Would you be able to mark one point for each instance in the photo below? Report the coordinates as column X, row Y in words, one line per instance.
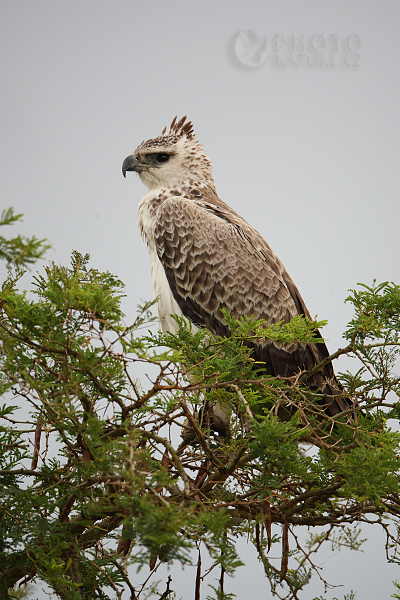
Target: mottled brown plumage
column 205, row 257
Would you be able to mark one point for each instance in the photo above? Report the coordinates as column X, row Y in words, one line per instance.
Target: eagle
column 205, row 257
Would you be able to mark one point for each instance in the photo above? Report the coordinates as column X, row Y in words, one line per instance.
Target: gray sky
column 305, row 151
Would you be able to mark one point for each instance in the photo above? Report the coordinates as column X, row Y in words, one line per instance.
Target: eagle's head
column 171, row 158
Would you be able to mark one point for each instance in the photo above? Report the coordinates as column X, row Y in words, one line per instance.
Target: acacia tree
column 101, row 471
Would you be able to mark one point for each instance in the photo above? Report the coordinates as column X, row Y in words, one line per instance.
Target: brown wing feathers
column 213, row 259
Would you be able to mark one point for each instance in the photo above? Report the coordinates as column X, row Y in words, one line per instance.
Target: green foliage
column 377, row 313
column 100, row 471
column 397, row 586
column 299, row 329
column 350, row 596
column 381, row 465
column 20, row 251
column 220, row 595
column 376, row 320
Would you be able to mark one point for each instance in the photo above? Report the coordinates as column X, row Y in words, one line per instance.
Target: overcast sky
column 297, row 105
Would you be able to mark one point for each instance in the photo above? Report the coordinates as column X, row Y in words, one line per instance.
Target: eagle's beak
column 131, row 164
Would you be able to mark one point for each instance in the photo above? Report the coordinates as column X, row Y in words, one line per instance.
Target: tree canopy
column 102, row 470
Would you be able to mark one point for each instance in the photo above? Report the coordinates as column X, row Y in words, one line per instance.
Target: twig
column 167, row 591
column 200, row 436
column 172, row 451
column 330, row 358
column 243, row 399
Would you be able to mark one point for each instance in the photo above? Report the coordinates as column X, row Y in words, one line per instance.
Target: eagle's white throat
column 166, row 304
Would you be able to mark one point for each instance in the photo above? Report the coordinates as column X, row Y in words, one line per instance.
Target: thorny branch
column 145, row 468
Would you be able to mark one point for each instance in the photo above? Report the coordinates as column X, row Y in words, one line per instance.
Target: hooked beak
column 131, row 164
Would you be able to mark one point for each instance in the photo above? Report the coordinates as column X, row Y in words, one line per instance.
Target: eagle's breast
column 166, row 305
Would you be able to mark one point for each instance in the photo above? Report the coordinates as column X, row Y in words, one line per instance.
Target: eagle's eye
column 162, row 157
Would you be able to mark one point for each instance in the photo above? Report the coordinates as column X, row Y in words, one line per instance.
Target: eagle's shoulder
column 213, row 259
column 196, row 209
